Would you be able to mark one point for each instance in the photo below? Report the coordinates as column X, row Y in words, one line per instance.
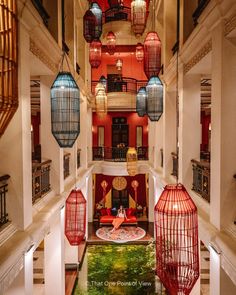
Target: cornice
column 230, row 25
column 198, row 56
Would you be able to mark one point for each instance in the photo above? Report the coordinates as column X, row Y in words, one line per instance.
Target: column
column 90, row 204
column 15, row 144
column 89, row 134
column 82, row 139
column 54, row 257
column 189, row 125
column 49, row 146
column 214, row 272
column 151, row 198
column 223, row 124
column 169, row 134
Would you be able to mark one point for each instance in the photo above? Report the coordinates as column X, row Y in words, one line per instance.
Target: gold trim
column 197, row 57
column 42, row 56
column 230, row 25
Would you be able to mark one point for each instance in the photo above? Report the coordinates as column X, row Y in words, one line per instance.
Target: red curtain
column 141, row 190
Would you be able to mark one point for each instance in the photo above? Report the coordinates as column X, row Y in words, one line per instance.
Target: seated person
column 120, row 218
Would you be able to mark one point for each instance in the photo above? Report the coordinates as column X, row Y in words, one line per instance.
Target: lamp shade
column 132, row 159
column 65, row 109
column 111, row 42
column 141, row 102
column 177, row 253
column 96, row 10
column 100, row 100
column 152, row 55
column 75, row 217
column 138, row 16
column 139, row 53
column 95, row 53
column 89, row 22
column 8, row 63
column 154, row 90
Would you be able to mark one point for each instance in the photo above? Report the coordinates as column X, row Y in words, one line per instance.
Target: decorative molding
column 230, row 25
column 42, row 56
column 229, row 268
column 198, row 56
column 11, row 274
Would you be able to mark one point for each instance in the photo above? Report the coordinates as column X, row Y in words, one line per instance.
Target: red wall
column 104, row 4
column 133, row 120
column 35, row 121
column 205, row 121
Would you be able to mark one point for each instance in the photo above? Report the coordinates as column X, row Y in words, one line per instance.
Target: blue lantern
column 65, row 109
column 141, row 102
column 96, row 10
column 154, row 98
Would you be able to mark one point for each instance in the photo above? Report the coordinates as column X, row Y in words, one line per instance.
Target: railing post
column 3, row 191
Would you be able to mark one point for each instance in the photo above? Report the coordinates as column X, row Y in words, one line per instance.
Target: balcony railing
column 161, row 151
column 122, row 85
column 201, row 6
column 116, row 154
column 66, row 165
column 3, row 193
column 41, row 10
column 78, row 158
column 201, row 178
column 40, row 179
column 175, row 161
column 117, row 13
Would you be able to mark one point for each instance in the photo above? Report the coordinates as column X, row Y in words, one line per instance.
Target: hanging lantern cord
column 64, row 57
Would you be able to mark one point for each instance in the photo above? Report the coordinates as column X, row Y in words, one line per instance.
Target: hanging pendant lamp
column 103, row 80
column 95, row 53
column 139, row 53
column 138, row 16
column 75, row 217
column 89, row 22
column 141, row 102
column 152, row 55
column 154, row 90
column 119, row 64
column 100, row 100
column 177, row 253
column 111, row 42
column 8, row 63
column 96, row 10
column 132, row 161
column 65, row 109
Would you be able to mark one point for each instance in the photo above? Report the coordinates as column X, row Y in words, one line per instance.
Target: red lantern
column 111, row 43
column 89, row 21
column 75, row 218
column 152, row 55
column 95, row 53
column 177, row 253
column 139, row 52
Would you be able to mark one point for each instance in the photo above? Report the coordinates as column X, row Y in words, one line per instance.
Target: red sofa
column 106, row 218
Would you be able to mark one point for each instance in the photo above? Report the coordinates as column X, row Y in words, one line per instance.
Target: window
column 101, row 132
column 139, row 136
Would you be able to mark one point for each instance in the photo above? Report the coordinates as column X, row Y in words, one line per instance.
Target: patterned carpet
column 122, row 235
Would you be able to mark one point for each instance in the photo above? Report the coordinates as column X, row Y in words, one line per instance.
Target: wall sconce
column 119, row 64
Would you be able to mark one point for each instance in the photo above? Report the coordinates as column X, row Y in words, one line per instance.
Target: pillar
column 54, row 257
column 214, row 272
column 223, row 124
column 82, row 139
column 189, row 125
column 151, row 198
column 15, row 144
column 49, row 146
column 169, row 131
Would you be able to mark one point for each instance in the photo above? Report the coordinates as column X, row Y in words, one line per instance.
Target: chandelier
column 138, row 16
column 119, row 64
column 100, row 100
column 89, row 22
column 141, row 102
column 132, row 161
column 154, row 90
column 111, row 42
column 96, row 10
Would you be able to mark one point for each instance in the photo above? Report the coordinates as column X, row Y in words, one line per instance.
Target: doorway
column 120, row 198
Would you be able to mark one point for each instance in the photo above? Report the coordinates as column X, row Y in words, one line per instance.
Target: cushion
column 107, row 219
column 103, row 211
column 130, row 212
column 109, row 211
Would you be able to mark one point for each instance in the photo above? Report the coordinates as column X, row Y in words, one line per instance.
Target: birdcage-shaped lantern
column 152, row 55
column 65, row 109
column 95, row 53
column 96, row 10
column 154, row 91
column 139, row 52
column 75, row 217
column 100, row 100
column 132, row 161
column 111, row 42
column 177, row 252
column 138, row 16
column 141, row 102
column 89, row 22
column 8, row 63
